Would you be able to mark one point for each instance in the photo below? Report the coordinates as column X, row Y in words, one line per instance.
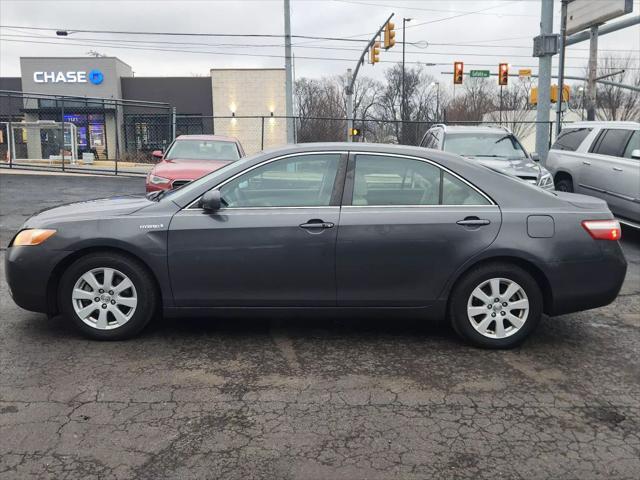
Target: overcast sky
column 500, row 30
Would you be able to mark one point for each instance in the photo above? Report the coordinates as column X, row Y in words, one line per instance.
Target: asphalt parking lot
column 317, row 398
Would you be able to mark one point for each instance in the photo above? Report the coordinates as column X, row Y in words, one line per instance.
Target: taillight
column 603, row 229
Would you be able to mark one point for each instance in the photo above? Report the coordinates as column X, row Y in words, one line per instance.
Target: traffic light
column 565, row 93
column 458, row 70
column 503, row 74
column 355, row 132
column 389, row 35
column 374, row 53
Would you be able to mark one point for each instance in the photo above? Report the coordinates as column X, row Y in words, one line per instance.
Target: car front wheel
column 108, row 296
column 496, row 306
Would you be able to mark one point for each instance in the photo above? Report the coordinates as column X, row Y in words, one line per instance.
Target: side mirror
column 635, row 153
column 535, row 157
column 211, row 201
column 157, row 154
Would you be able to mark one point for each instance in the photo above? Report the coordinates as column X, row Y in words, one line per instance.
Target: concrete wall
column 251, row 92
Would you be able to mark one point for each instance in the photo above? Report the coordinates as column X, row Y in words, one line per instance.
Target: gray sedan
column 325, row 226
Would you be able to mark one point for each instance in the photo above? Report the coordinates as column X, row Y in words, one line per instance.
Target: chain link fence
column 120, row 136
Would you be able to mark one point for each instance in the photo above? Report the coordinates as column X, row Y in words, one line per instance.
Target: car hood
column 187, row 169
column 515, row 167
column 91, row 209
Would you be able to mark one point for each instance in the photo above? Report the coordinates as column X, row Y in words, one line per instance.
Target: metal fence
column 118, row 136
column 82, row 133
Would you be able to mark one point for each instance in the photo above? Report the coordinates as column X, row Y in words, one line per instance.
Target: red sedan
column 190, row 157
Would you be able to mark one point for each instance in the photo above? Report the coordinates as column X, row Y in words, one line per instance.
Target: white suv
column 601, row 159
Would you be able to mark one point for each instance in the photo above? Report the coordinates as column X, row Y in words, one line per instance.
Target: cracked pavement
column 313, row 397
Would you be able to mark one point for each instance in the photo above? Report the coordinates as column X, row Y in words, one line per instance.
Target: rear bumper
column 585, row 285
column 28, row 271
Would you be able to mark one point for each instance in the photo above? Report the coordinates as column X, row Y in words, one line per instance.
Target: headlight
column 546, row 181
column 156, row 180
column 32, row 236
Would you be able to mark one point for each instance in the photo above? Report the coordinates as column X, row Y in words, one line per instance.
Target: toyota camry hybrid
column 325, row 226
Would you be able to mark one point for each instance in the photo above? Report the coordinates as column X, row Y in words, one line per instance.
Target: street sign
column 524, row 72
column 479, row 73
column 582, row 14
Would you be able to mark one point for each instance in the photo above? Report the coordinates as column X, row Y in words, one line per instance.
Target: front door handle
column 586, row 163
column 617, row 169
column 473, row 222
column 316, row 224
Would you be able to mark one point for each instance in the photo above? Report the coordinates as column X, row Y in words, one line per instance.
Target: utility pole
column 563, row 41
column 349, row 105
column 593, row 68
column 403, row 100
column 289, row 71
column 545, row 52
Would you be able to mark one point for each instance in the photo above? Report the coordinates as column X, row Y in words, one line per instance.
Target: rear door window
column 570, row 139
column 611, row 142
column 382, row 181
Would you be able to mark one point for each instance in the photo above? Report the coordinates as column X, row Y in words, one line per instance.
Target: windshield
column 203, row 150
column 484, row 145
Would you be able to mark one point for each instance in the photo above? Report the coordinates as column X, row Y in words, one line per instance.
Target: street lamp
column 437, row 84
column 403, row 104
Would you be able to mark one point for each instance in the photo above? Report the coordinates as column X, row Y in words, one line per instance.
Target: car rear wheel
column 108, row 296
column 496, row 306
column 564, row 185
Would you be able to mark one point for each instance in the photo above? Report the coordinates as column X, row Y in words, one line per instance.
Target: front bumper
column 28, row 271
column 577, row 286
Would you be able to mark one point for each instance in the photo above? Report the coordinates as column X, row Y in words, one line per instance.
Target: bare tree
column 420, row 105
column 613, row 102
column 478, row 97
column 514, row 109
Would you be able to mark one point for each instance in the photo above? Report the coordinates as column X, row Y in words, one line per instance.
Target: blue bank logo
column 96, row 77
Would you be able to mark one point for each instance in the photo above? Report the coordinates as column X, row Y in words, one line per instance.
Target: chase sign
column 94, row 76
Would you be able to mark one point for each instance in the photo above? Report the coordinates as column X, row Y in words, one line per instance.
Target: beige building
column 242, row 93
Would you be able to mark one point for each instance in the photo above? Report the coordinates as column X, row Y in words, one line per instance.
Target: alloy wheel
column 498, row 308
column 104, row 298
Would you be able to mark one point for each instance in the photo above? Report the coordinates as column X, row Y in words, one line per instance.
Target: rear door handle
column 473, row 222
column 617, row 169
column 316, row 224
column 586, row 163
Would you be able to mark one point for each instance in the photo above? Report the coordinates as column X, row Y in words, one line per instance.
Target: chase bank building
column 107, row 95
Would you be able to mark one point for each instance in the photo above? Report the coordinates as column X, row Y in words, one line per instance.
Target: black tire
column 461, row 293
column 147, row 296
column 564, row 185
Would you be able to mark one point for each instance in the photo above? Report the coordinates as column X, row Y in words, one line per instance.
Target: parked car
column 190, row 157
column 492, row 146
column 600, row 159
column 325, row 226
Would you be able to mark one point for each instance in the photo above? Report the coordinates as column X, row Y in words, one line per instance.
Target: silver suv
column 601, row 159
column 493, row 146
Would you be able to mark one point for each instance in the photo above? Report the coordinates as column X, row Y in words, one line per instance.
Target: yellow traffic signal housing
column 389, row 35
column 355, row 132
column 533, row 96
column 503, row 74
column 565, row 93
column 458, row 72
column 374, row 53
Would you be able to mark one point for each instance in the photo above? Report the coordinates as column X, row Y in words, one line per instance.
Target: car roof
column 603, row 123
column 474, row 129
column 219, row 138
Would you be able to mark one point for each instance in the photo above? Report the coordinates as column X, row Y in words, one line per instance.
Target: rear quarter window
column 570, row 139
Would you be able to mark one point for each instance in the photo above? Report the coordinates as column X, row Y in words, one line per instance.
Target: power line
column 406, row 7
column 254, row 54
